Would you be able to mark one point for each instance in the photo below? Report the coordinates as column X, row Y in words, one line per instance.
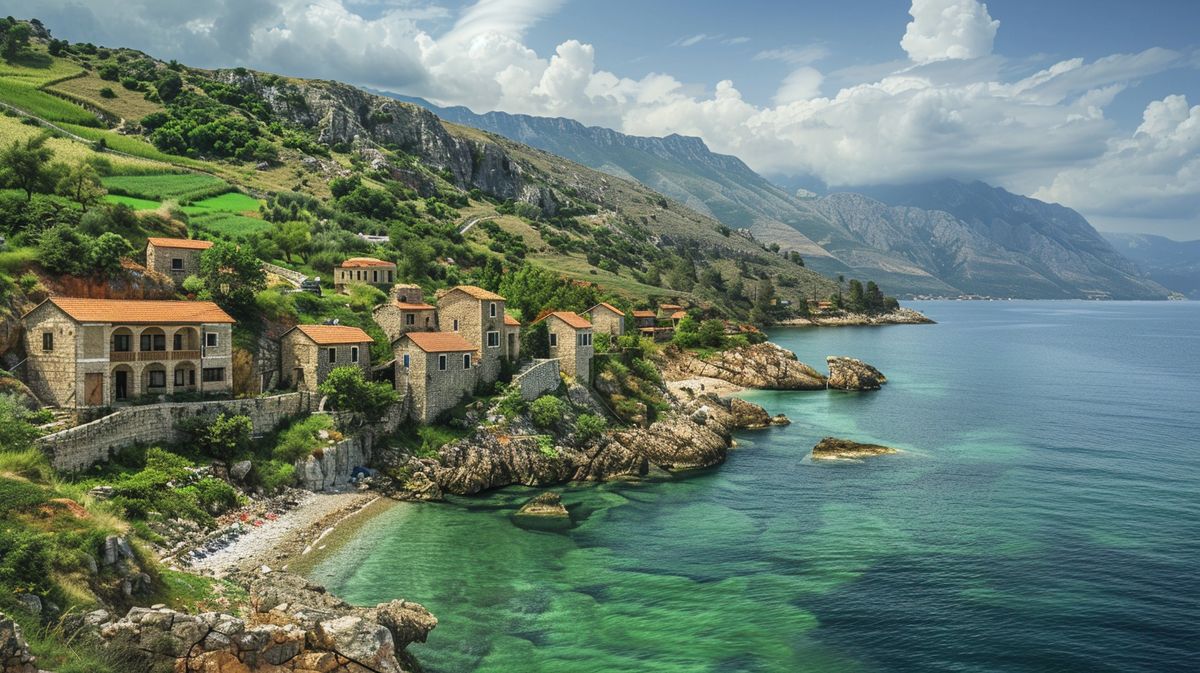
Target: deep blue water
column 1044, row 516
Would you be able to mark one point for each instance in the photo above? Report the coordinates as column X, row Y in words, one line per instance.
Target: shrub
column 223, row 437
column 302, row 437
column 547, row 410
column 16, row 424
column 275, row 474
column 107, row 92
column 589, row 427
column 348, row 390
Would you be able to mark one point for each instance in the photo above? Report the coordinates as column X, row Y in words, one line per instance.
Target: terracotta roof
column 141, row 311
column 679, row 315
column 405, row 306
column 511, row 321
column 572, row 319
column 360, row 262
column 645, row 314
column 182, row 243
column 670, row 307
column 477, row 292
column 330, row 335
column 608, row 306
column 440, row 342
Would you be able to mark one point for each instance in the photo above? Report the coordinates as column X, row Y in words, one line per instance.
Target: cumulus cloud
column 1155, row 172
column 948, row 29
column 952, row 110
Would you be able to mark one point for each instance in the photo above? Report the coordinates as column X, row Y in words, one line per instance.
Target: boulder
column 852, row 374
column 408, row 622
column 548, row 504
column 240, row 469
column 31, row 603
column 833, row 448
column 747, row 415
column 14, row 651
column 780, row 419
column 763, row 365
column 367, row 643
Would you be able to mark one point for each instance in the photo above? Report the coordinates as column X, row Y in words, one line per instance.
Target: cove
column 1043, row 516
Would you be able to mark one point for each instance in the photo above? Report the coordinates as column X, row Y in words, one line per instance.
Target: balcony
column 152, row 356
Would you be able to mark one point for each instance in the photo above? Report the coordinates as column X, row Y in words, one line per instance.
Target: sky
column 1091, row 103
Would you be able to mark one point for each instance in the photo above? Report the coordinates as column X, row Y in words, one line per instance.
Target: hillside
column 1172, row 264
column 282, row 146
column 948, row 238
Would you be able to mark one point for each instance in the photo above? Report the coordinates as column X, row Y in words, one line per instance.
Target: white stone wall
column 543, row 377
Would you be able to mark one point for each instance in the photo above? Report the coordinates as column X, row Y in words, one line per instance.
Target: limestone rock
column 240, row 469
column 408, row 622
column 14, row 651
column 548, row 504
column 763, row 365
column 835, row 448
column 852, row 374
column 747, row 415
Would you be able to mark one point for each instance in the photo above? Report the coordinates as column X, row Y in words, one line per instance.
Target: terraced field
column 182, row 187
column 70, row 151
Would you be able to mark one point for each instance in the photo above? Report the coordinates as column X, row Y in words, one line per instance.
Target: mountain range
column 1173, row 264
column 945, row 238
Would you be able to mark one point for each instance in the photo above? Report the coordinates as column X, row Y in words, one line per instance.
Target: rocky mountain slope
column 945, row 238
column 1172, row 264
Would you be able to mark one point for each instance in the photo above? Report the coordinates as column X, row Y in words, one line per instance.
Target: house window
column 213, row 374
column 354, row 353
column 176, row 264
column 191, row 377
column 407, row 360
column 210, row 339
column 492, row 310
column 585, row 338
column 158, row 378
column 410, row 319
column 390, row 276
column 154, row 342
column 466, row 360
column 493, row 339
column 441, row 363
column 177, row 343
column 374, row 276
column 179, row 377
column 553, row 340
column 456, row 324
column 332, row 355
column 121, row 343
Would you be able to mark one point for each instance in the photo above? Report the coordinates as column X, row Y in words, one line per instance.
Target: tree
column 169, row 86
column 107, row 251
column 61, row 249
column 764, row 301
column 340, row 187
column 293, row 238
column 16, row 38
column 81, row 183
column 711, row 333
column 233, row 275
column 873, row 297
column 855, row 299
column 26, row 166
column 16, row 431
column 535, row 341
column 348, row 390
column 223, row 437
column 546, row 411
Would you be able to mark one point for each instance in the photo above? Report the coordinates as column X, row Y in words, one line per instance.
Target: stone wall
column 79, row 447
column 293, row 277
column 543, row 377
column 332, row 466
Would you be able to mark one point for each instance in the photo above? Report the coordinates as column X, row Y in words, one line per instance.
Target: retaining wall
column 543, row 377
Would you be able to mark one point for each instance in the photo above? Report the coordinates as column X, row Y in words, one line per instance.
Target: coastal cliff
column 763, row 365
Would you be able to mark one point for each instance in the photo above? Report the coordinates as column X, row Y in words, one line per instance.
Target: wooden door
column 93, row 389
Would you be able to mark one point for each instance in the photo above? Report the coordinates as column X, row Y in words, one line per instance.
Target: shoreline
column 705, row 384
column 903, row 316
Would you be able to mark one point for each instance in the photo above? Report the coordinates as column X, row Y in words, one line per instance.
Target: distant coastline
column 901, row 316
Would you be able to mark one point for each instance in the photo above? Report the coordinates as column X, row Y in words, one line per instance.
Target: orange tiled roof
column 360, row 262
column 477, row 292
column 679, row 315
column 141, row 311
column 645, row 314
column 406, row 306
column 572, row 319
column 440, row 342
column 670, row 307
column 511, row 321
column 608, row 306
column 182, row 243
column 330, row 335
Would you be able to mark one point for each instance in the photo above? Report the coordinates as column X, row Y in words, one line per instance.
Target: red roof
column 141, row 311
column 476, row 292
column 182, row 243
column 330, row 335
column 573, row 320
column 360, row 262
column 511, row 321
column 670, row 307
column 679, row 315
column 608, row 306
column 405, row 306
column 645, row 314
column 440, row 342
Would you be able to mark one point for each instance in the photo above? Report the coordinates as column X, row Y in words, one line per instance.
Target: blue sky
column 1094, row 104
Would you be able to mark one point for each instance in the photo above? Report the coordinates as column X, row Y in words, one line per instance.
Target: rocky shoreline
column 901, row 316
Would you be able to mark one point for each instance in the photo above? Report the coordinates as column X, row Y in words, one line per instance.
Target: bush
column 299, row 440
column 107, row 92
column 589, row 427
column 16, row 424
column 348, row 390
column 223, row 437
column 546, row 411
column 275, row 474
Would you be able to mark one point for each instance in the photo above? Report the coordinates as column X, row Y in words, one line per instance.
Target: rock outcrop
column 831, row 448
column 852, row 374
column 14, row 651
column 763, row 365
column 548, row 504
column 295, row 627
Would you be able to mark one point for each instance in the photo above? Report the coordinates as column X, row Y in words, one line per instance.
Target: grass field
column 131, row 105
column 70, row 151
column 42, row 104
column 233, row 202
column 133, row 202
column 228, row 224
column 37, row 68
column 181, row 187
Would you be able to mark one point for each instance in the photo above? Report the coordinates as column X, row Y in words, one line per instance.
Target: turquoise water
column 1045, row 516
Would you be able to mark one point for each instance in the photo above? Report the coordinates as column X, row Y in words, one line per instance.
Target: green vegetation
column 630, row 383
column 424, row 441
column 589, row 427
column 302, row 437
column 547, row 411
column 223, row 437
column 348, row 390
column 182, row 187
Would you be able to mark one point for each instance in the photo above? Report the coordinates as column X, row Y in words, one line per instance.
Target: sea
column 1043, row 515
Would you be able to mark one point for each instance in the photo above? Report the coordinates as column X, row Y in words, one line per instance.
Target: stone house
column 405, row 311
column 175, row 258
column 435, row 371
column 676, row 317
column 309, row 352
column 367, row 270
column 99, row 352
column 607, row 319
column 665, row 311
column 646, row 321
column 478, row 315
column 512, row 338
column 571, row 343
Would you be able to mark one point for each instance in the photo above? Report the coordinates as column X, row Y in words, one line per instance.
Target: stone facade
column 431, row 384
column 304, row 363
column 175, row 258
column 367, row 270
column 542, row 377
column 607, row 319
column 478, row 315
column 72, row 363
column 80, row 447
column 571, row 344
column 406, row 311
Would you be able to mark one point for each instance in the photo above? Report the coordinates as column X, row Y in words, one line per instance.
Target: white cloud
column 691, row 41
column 948, row 29
column 1151, row 174
column 730, row 41
column 802, row 84
column 794, row 55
